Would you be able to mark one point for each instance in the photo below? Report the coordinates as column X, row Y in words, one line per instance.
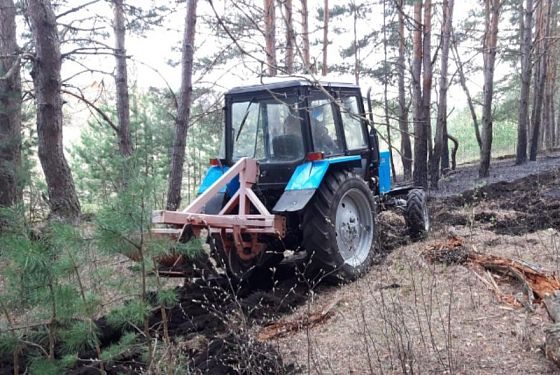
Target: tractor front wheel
column 416, row 216
column 339, row 226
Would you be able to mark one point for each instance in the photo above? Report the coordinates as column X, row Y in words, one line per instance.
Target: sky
column 157, row 46
column 160, row 45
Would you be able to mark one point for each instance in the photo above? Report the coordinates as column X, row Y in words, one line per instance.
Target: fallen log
column 552, row 332
column 537, row 283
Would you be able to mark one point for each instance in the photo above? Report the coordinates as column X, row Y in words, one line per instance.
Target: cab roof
column 283, row 82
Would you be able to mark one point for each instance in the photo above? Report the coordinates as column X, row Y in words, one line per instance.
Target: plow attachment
column 242, row 228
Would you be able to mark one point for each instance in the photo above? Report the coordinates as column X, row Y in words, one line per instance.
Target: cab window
column 352, row 123
column 323, row 128
column 267, row 129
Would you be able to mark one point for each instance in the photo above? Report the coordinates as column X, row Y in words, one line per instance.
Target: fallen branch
column 537, row 283
column 282, row 327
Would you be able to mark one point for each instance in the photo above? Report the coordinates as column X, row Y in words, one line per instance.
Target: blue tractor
column 300, row 169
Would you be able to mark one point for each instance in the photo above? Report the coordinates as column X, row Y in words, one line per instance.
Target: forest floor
column 411, row 315
column 408, row 314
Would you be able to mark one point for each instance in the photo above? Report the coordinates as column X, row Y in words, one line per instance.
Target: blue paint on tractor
column 384, row 172
column 309, row 175
column 212, row 175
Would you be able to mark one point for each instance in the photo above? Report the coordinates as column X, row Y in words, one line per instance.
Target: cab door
column 353, row 125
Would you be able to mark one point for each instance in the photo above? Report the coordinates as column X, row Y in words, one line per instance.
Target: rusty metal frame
column 234, row 219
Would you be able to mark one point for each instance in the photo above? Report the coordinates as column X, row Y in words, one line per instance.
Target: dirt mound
column 211, row 327
column 392, row 232
column 213, row 319
column 534, row 199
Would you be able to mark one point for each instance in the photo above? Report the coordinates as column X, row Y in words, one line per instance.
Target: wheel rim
column 425, row 217
column 354, row 223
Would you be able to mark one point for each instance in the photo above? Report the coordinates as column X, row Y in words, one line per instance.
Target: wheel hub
column 349, row 230
column 354, row 224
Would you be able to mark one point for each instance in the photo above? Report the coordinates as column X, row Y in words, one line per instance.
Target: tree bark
column 305, row 36
column 526, row 67
column 288, row 14
column 324, row 68
column 470, row 103
column 385, row 82
column 542, row 50
column 10, row 106
column 406, row 150
column 270, row 36
column 63, row 200
column 183, row 115
column 421, row 148
column 443, row 86
column 121, row 80
column 427, row 78
column 492, row 8
column 420, row 173
column 552, row 55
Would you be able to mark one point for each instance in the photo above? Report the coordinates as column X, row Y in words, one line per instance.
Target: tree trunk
column 443, row 86
column 492, row 8
column 536, row 116
column 121, row 80
column 406, row 151
column 183, row 115
column 536, row 46
column 288, row 14
column 427, row 79
column 557, row 131
column 445, row 150
column 526, row 67
column 463, row 82
column 422, row 149
column 324, row 68
column 552, row 56
column 10, row 106
column 63, row 200
column 305, row 36
column 270, row 36
column 547, row 106
column 385, row 82
column 420, row 175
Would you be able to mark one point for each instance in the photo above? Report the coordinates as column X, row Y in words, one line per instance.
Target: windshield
column 268, row 130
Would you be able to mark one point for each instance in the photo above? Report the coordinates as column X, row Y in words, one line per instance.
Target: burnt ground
column 406, row 315
column 503, row 169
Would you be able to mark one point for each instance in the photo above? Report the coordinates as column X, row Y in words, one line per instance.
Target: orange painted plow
column 240, row 226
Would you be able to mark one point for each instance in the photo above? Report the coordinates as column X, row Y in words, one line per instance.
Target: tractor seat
column 287, row 147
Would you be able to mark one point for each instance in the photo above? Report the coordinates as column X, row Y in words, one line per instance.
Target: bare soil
column 465, row 177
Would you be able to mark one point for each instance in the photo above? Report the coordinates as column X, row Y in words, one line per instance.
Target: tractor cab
column 285, row 123
column 300, row 170
column 290, row 122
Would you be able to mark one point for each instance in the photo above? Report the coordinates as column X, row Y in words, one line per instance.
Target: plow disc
column 241, row 231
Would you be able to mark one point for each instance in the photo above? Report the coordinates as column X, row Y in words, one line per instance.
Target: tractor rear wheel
column 339, row 226
column 417, row 218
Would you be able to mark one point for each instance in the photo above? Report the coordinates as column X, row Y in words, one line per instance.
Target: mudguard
column 384, row 172
column 306, row 179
